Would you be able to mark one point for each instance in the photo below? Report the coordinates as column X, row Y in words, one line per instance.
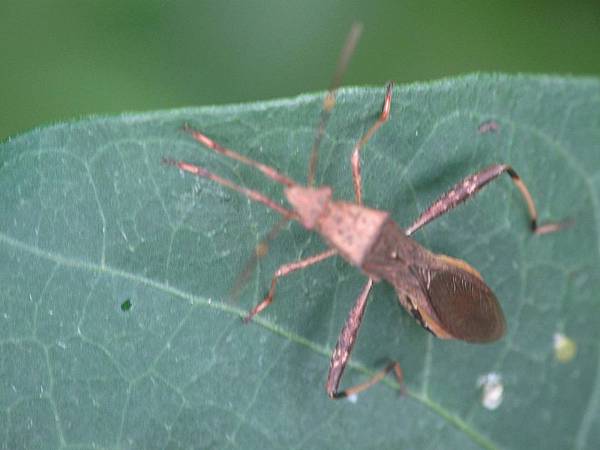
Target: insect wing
column 465, row 306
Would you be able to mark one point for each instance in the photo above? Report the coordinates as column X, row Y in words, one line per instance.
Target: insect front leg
column 344, row 347
column 355, row 158
column 284, row 270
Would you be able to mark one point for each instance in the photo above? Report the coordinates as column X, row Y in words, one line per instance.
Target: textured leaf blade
column 91, row 219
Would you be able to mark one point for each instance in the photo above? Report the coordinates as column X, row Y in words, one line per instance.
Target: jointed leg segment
column 376, row 378
column 284, row 270
column 355, row 158
column 343, row 349
column 468, row 187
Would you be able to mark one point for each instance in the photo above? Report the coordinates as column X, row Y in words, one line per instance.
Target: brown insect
column 445, row 295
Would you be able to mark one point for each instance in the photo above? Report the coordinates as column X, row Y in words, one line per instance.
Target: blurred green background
column 64, row 59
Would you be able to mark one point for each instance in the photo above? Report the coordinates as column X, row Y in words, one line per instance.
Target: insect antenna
column 329, row 101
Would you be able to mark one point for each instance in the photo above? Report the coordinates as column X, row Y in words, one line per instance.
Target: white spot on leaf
column 493, row 390
column 565, row 348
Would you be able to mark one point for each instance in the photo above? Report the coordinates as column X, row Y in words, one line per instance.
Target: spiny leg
column 468, row 187
column 343, row 349
column 355, row 158
column 284, row 270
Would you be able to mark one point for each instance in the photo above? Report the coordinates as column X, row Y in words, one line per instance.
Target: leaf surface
column 116, row 328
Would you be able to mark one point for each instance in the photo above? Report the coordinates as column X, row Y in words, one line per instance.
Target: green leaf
column 115, row 326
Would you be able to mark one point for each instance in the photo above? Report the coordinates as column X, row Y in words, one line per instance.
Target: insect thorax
column 351, row 229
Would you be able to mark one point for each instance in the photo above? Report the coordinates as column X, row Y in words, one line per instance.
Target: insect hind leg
column 343, row 349
column 472, row 184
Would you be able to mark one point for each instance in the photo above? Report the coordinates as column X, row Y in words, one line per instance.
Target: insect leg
column 372, row 381
column 284, row 270
column 343, row 349
column 468, row 187
column 348, row 335
column 355, row 158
